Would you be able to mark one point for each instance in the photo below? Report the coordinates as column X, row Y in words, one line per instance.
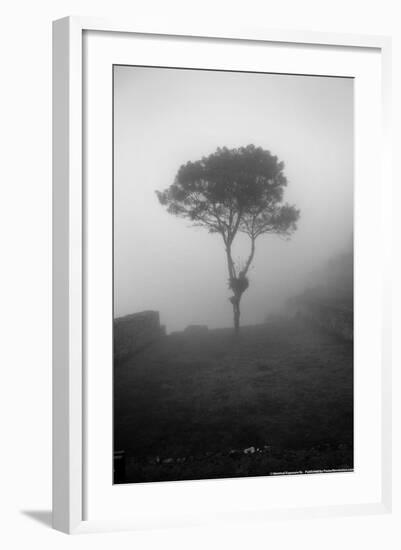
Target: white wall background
column 25, row 397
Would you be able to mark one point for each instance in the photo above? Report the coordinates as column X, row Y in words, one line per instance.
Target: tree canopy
column 233, row 190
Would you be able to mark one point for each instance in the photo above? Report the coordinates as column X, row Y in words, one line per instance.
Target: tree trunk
column 237, row 314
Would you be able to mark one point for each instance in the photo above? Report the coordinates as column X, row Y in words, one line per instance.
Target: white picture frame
column 70, row 286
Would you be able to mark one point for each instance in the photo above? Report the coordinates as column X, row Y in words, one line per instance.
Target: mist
column 166, row 117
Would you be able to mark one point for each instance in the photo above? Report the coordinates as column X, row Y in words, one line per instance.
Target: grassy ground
column 188, row 406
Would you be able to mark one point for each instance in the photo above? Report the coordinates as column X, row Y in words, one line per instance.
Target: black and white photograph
column 233, row 287
column 201, row 307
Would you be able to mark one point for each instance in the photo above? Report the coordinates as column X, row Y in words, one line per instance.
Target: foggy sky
column 165, row 117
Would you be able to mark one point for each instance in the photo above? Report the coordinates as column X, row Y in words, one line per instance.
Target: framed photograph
column 221, row 305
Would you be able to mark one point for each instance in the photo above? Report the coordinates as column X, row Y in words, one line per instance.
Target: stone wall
column 336, row 319
column 134, row 332
column 196, row 330
column 329, row 300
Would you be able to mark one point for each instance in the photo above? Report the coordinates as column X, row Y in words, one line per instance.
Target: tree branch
column 236, row 226
column 230, row 263
column 244, row 271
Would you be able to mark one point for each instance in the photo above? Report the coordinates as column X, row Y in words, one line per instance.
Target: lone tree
column 232, row 191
